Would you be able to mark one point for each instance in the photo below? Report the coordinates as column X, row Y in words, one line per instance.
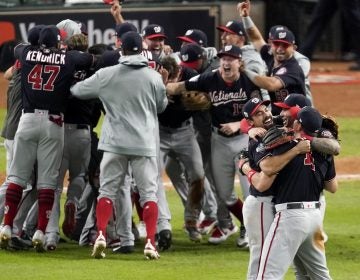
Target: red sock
column 46, row 201
column 150, row 215
column 139, row 209
column 236, row 210
column 104, row 210
column 12, row 200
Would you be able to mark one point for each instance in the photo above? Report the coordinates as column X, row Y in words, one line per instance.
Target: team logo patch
column 157, row 29
column 229, row 23
column 281, row 71
column 185, row 57
column 228, row 48
column 189, row 32
column 282, row 35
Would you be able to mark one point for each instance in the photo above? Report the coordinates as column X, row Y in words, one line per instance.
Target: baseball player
column 284, row 73
column 45, row 76
column 228, row 91
column 138, row 123
column 298, row 208
column 154, row 38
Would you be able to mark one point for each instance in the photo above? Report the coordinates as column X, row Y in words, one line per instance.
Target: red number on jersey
column 237, row 109
column 34, row 77
column 309, row 160
column 36, row 80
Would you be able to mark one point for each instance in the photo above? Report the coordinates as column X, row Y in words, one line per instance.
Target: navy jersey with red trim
column 227, row 99
column 175, row 113
column 302, row 179
column 289, row 72
column 47, row 74
column 257, row 153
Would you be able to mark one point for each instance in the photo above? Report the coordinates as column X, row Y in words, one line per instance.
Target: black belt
column 183, row 124
column 50, row 112
column 297, row 205
column 218, row 131
column 301, row 205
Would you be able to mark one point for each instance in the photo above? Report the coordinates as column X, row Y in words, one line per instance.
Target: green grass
column 349, row 136
column 187, row 260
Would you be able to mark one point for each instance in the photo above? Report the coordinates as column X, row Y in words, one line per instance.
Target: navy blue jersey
column 46, row 76
column 175, row 113
column 289, row 72
column 302, row 179
column 227, row 99
column 257, row 153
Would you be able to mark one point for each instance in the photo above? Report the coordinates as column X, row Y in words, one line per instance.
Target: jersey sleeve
column 197, row 83
column 87, row 89
column 290, row 74
column 331, row 173
column 81, row 60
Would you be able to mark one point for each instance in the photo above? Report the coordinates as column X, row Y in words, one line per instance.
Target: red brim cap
column 282, row 105
column 153, row 36
column 294, row 111
column 265, row 102
column 186, row 39
column 225, row 29
column 191, row 65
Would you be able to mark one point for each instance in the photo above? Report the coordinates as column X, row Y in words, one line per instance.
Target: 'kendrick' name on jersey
column 52, row 58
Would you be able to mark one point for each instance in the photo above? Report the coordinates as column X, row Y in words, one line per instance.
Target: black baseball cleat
column 164, row 240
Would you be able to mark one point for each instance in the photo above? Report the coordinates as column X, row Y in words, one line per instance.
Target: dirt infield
column 339, row 99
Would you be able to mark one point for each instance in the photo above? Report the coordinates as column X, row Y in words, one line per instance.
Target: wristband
column 251, row 173
column 248, row 23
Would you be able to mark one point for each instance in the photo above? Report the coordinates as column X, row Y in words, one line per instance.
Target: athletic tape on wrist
column 250, row 174
column 248, row 23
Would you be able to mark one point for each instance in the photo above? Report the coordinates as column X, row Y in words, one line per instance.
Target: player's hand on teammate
column 256, row 132
column 167, row 50
column 230, row 128
column 164, row 75
column 244, row 8
column 303, row 146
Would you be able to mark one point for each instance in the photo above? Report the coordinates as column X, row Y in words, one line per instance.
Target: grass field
column 188, row 260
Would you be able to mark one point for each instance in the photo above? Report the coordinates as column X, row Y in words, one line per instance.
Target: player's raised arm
column 252, row 31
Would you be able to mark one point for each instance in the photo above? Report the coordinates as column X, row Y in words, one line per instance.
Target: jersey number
column 309, row 160
column 237, row 109
column 36, row 80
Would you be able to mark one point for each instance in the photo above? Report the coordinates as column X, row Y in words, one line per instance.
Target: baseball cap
column 153, row 31
column 34, row 33
column 252, row 105
column 68, row 28
column 194, row 36
column 49, row 36
column 275, row 28
column 233, row 27
column 131, row 41
column 124, row 27
column 284, row 36
column 230, row 50
column 190, row 53
column 310, row 119
column 293, row 99
column 83, row 27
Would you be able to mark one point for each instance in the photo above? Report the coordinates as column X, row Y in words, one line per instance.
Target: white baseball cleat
column 99, row 247
column 5, row 236
column 38, row 241
column 206, row 226
column 150, row 252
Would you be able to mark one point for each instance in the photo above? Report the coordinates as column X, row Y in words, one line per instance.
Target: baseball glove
column 77, row 42
column 277, row 136
column 329, row 125
column 243, row 158
column 195, row 100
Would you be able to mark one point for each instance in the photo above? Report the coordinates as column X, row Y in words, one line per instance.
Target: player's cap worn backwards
column 294, row 99
column 190, row 53
column 34, row 33
column 131, row 41
column 195, row 36
column 310, row 119
column 284, row 36
column 124, row 27
column 49, row 36
column 252, row 105
column 233, row 27
column 153, row 31
column 231, row 50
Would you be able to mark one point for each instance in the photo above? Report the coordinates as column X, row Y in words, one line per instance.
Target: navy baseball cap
column 49, row 36
column 293, row 99
column 34, row 34
column 153, row 31
column 252, row 105
column 195, row 36
column 231, row 50
column 124, row 27
column 233, row 27
column 284, row 36
column 190, row 53
column 83, row 27
column 275, row 28
column 310, row 119
column 131, row 41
